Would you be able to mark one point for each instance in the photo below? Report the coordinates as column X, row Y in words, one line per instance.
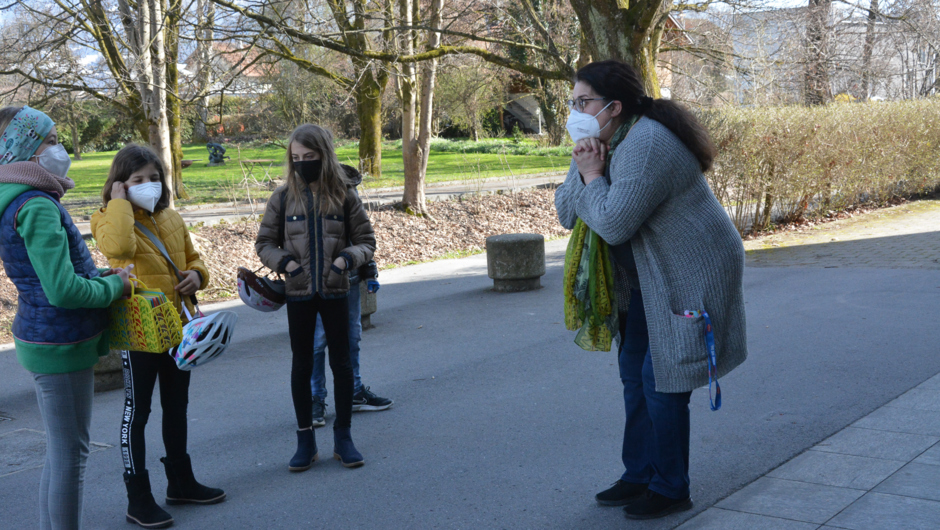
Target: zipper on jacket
column 316, row 266
column 156, row 227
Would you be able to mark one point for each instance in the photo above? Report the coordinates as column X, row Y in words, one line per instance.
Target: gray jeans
column 65, row 405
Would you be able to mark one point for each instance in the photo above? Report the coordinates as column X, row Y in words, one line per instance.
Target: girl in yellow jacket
column 136, row 195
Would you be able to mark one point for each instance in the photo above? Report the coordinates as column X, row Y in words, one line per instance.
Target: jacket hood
column 352, row 176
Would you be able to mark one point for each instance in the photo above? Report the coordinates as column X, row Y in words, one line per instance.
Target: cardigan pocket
column 689, row 339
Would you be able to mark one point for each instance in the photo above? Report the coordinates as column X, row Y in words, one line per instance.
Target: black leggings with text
column 140, row 375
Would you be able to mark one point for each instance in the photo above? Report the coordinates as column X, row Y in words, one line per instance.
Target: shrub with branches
column 784, row 163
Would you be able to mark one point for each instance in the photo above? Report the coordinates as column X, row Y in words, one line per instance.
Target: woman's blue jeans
column 656, row 434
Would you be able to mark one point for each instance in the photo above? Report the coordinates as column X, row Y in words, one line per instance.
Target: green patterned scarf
column 590, row 300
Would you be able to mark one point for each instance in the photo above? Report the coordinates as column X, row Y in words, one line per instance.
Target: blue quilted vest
column 38, row 321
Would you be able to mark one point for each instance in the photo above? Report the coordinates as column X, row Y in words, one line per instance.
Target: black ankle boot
column 344, row 450
column 141, row 508
column 306, row 453
column 182, row 487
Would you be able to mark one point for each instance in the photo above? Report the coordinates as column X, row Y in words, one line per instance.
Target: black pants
column 140, row 375
column 302, row 323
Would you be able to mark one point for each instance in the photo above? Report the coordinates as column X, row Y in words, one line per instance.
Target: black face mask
column 309, row 170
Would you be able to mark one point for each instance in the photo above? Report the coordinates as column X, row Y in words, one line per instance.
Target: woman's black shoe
column 653, row 505
column 620, row 494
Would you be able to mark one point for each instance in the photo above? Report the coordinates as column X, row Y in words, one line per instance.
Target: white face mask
column 145, row 195
column 55, row 160
column 581, row 125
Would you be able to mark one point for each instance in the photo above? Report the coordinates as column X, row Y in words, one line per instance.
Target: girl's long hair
column 331, row 188
column 132, row 158
column 618, row 81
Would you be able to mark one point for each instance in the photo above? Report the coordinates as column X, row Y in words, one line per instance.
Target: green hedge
column 784, row 163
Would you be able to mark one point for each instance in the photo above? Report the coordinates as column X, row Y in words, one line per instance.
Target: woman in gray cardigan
column 636, row 179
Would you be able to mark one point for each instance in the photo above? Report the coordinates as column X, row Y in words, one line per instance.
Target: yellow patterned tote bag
column 146, row 321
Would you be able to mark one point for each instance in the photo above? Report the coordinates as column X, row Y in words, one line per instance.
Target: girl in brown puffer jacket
column 303, row 235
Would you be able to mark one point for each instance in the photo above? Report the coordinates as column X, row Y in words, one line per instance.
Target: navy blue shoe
column 344, row 450
column 621, row 494
column 653, row 506
column 306, row 453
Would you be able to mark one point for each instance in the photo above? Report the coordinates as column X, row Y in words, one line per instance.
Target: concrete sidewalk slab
column 788, row 499
column 717, row 518
column 902, row 420
column 930, row 456
column 883, row 512
column 885, row 445
column 832, row 469
column 914, row 480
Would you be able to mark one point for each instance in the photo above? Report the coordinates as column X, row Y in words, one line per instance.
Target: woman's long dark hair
column 618, row 81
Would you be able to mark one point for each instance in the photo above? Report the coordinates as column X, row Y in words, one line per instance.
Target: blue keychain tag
column 712, row 363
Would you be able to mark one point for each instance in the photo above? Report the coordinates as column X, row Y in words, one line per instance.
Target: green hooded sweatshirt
column 39, row 223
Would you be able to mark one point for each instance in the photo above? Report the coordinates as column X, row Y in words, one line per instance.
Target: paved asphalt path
column 500, row 421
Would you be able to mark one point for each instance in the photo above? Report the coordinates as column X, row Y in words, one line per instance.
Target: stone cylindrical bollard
column 368, row 303
column 515, row 262
column 109, row 372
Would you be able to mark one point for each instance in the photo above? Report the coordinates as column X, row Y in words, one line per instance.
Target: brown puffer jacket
column 314, row 239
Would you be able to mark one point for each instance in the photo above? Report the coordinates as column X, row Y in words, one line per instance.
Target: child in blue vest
column 61, row 317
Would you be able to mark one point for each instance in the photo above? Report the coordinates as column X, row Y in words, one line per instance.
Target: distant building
column 236, row 70
column 769, row 50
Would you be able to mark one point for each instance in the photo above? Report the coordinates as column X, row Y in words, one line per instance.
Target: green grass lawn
column 449, row 161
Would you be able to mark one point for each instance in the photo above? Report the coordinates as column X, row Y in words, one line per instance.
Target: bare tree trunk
column 429, row 78
column 76, row 140
column 174, row 105
column 408, row 84
column 73, row 128
column 204, row 36
column 867, row 50
column 816, row 89
column 614, row 29
column 416, row 141
column 552, row 96
column 152, row 82
column 368, row 94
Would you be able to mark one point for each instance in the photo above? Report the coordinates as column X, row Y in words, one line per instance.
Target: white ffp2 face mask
column 145, row 195
column 55, row 160
column 581, row 125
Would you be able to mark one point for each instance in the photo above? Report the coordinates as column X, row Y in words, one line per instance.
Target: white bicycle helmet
column 263, row 294
column 204, row 339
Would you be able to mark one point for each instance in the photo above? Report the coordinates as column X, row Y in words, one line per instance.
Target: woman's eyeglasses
column 580, row 103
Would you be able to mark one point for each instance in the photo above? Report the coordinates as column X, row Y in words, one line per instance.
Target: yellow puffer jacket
column 118, row 239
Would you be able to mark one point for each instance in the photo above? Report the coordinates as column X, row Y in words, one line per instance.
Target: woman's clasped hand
column 590, row 154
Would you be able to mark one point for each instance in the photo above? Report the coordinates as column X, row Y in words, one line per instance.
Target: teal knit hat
column 24, row 135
